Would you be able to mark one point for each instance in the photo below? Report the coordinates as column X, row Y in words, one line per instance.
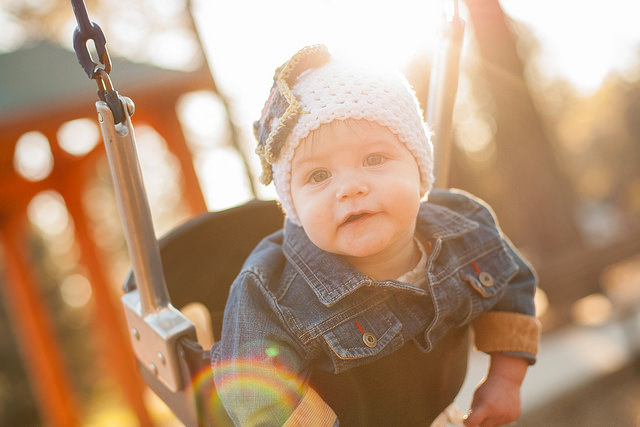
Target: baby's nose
column 351, row 185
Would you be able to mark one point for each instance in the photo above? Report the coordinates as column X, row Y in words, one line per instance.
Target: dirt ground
column 612, row 401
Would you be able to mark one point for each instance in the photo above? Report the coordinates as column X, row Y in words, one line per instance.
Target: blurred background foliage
column 590, row 143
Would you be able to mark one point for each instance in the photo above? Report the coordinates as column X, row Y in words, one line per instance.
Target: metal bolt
column 161, row 358
column 131, row 107
column 153, row 368
column 135, row 333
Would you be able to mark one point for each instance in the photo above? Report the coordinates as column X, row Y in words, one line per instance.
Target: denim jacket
column 296, row 306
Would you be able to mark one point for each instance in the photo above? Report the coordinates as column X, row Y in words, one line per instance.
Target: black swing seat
column 202, row 257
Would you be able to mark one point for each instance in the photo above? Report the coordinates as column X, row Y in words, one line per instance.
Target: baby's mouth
column 355, row 217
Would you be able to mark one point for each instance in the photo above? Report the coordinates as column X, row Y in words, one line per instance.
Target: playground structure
column 39, row 109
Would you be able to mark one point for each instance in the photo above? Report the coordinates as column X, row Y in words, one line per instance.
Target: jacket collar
column 439, row 222
column 332, row 278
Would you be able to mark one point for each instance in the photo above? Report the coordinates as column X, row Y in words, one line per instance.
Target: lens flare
column 265, row 381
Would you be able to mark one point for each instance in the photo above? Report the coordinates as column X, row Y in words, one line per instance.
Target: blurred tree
column 560, row 168
column 524, row 153
column 17, row 403
column 157, row 32
column 599, row 143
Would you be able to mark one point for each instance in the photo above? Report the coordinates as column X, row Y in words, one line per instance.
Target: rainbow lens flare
column 263, row 385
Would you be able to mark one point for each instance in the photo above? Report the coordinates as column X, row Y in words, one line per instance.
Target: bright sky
column 582, row 39
column 247, row 40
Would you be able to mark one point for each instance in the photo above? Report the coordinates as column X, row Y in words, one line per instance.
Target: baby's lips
column 354, row 216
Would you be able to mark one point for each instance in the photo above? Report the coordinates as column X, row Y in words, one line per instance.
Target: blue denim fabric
column 296, row 306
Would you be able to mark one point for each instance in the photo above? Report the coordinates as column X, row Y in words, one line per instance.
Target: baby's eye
column 374, row 160
column 318, row 176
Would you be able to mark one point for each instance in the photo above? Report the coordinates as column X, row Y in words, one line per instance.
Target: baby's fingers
column 476, row 416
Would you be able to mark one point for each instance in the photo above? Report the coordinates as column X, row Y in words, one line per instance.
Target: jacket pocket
column 484, row 280
column 364, row 338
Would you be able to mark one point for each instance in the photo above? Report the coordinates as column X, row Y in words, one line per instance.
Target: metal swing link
column 155, row 325
column 85, row 31
column 99, row 71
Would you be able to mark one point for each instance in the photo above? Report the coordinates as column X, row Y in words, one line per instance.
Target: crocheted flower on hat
column 282, row 109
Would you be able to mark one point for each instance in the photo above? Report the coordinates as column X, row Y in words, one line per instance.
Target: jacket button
column 369, row 339
column 486, row 279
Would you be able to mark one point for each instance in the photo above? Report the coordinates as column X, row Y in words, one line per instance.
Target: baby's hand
column 496, row 402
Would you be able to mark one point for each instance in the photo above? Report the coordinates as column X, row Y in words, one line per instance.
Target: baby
column 374, row 273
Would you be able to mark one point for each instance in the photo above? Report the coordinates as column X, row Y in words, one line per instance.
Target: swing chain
column 85, row 31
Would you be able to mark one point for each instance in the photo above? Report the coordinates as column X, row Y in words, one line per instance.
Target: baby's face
column 356, row 189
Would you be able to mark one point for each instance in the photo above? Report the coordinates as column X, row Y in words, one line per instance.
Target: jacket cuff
column 311, row 411
column 507, row 332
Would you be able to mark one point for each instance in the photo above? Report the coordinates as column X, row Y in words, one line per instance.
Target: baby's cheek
column 316, row 226
column 320, row 238
column 304, row 210
column 310, row 208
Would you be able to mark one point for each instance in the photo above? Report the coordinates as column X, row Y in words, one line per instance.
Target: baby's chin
column 366, row 248
column 357, row 248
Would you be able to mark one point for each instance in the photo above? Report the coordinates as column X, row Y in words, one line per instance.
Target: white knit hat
column 312, row 89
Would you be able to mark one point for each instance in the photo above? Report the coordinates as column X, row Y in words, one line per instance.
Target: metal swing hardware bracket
column 443, row 86
column 155, row 325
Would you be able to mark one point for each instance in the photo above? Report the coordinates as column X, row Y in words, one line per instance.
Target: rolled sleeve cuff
column 311, row 411
column 507, row 332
